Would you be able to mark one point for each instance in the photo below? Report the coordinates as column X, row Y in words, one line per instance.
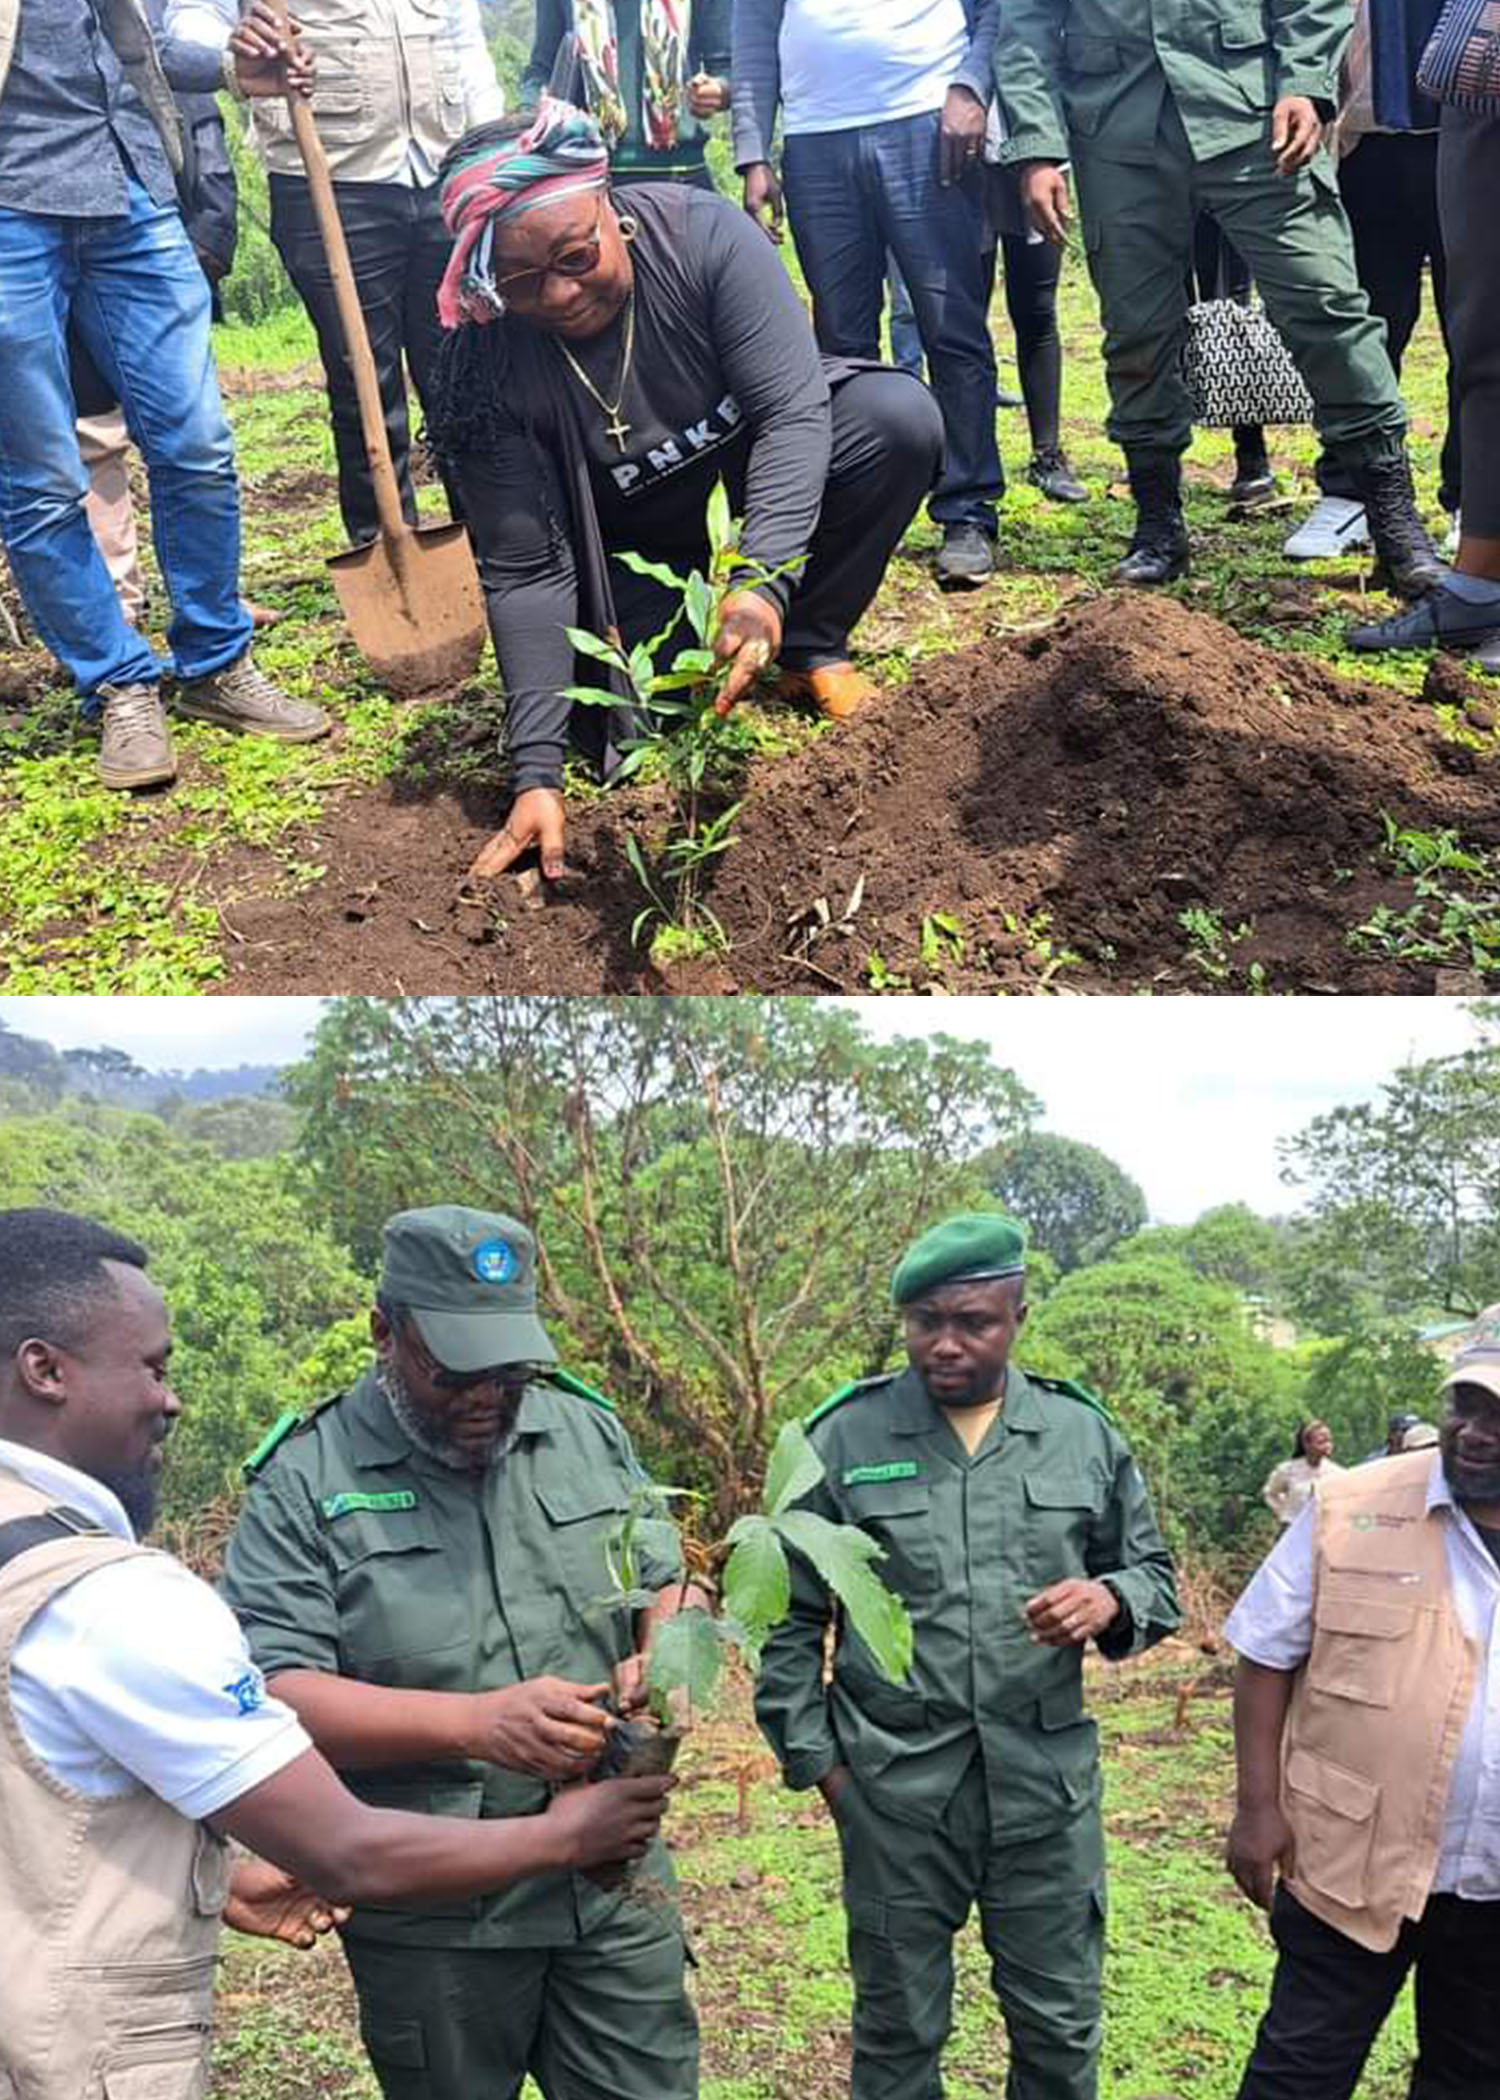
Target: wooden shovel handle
column 393, row 525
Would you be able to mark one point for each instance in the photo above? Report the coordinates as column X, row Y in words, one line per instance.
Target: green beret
column 971, row 1248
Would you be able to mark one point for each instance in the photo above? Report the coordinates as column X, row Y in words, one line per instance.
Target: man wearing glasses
column 419, row 1570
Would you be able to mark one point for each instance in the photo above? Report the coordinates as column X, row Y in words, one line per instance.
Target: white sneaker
column 1454, row 534
column 1335, row 525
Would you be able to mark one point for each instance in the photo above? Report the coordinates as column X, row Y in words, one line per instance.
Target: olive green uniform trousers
column 1138, row 216
column 1041, row 1915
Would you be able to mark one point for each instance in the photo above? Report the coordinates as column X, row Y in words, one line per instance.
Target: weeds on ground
column 1454, row 916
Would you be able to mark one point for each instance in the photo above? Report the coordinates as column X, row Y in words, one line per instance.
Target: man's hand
column 1296, row 133
column 271, row 1904
column 707, row 95
column 748, row 636
column 546, row 1727
column 1044, row 196
column 614, row 1819
column 831, row 1785
column 1067, row 1614
column 536, row 819
column 267, row 59
column 1260, row 1841
column 763, row 196
column 960, row 135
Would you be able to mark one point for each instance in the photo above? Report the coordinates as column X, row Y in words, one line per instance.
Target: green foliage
column 1073, row 1199
column 1454, row 916
column 257, row 287
column 1229, row 1244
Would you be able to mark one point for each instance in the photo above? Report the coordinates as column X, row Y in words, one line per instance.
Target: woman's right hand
column 536, row 819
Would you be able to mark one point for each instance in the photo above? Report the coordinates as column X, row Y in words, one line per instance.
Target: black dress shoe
column 1049, row 471
column 1440, row 620
column 966, row 558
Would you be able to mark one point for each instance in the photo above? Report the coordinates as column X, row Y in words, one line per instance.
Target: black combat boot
column 1159, row 547
column 1406, row 559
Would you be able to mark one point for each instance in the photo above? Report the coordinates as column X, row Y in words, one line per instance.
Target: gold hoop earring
column 629, row 227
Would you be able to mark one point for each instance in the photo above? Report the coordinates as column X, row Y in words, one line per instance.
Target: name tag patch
column 340, row 1505
column 893, row 1469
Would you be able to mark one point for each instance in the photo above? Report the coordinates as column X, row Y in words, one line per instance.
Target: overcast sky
column 1189, row 1095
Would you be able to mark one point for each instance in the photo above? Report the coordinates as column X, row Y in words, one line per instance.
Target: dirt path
column 1027, row 814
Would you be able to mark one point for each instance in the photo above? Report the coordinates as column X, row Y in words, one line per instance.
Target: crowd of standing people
column 595, row 338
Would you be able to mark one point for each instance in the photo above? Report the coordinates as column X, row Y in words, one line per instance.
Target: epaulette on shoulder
column 566, row 1382
column 285, row 1425
column 1074, row 1391
column 850, row 1391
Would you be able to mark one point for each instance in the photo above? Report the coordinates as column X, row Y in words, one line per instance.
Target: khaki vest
column 127, row 28
column 388, row 77
column 109, row 1909
column 1379, row 1706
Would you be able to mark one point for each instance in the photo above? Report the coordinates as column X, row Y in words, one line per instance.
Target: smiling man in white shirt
column 1367, row 1734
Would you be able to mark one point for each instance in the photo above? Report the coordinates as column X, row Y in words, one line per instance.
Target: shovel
column 411, row 597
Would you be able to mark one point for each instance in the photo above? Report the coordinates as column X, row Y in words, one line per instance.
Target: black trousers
column 1390, row 192
column 399, row 248
column 1468, row 195
column 1330, row 1997
column 1220, row 272
column 1032, row 269
column 887, row 447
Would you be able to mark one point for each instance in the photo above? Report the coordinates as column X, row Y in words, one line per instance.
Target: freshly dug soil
column 1074, row 790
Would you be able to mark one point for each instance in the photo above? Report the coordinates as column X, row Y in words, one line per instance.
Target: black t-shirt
column 725, row 381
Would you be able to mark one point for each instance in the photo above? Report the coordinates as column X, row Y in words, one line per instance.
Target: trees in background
column 1072, row 1198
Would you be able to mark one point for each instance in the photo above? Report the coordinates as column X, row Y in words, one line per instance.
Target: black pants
column 887, row 447
column 399, row 248
column 1220, row 272
column 1330, row 1997
column 1468, row 197
column 1389, row 187
column 1032, row 269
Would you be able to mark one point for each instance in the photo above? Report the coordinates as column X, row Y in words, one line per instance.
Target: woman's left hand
column 749, row 636
column 706, row 95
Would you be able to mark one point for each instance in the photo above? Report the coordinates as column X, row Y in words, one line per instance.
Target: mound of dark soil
column 1077, row 790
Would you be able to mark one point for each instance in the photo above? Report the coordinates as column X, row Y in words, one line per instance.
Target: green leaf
column 657, row 1539
column 590, row 695
column 842, row 1555
column 795, row 1468
column 757, row 1581
column 656, row 570
column 642, row 670
column 591, row 645
column 685, row 1653
column 720, row 524
column 698, row 598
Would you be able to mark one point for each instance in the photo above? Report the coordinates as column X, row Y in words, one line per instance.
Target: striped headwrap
column 558, row 154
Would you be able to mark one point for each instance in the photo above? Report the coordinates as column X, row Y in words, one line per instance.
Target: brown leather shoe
column 836, row 690
column 135, row 749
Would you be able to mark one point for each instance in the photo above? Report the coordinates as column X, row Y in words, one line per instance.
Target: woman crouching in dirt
column 609, row 365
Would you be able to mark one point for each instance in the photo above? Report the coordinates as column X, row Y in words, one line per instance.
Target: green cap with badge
column 468, row 1277
column 974, row 1247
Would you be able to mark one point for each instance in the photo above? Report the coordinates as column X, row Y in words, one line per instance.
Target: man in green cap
column 1017, row 1528
column 419, row 1568
column 1167, row 108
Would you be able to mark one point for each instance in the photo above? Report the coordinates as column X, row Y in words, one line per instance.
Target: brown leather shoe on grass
column 135, row 748
column 242, row 698
column 836, row 690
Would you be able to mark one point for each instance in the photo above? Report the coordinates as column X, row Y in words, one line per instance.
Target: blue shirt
column 73, row 131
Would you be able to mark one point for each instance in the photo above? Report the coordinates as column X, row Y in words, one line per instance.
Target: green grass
column 113, row 894
column 1188, row 1967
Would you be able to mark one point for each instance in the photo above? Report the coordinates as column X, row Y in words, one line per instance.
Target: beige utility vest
column 387, row 77
column 1379, row 1706
column 109, row 1909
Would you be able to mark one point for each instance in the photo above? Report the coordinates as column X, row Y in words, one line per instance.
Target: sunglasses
column 448, row 1381
column 581, row 259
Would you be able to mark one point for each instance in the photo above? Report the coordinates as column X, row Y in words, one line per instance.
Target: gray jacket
column 757, row 69
column 128, row 30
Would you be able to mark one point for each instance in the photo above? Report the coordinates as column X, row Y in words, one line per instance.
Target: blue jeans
column 141, row 304
column 906, row 340
column 850, row 196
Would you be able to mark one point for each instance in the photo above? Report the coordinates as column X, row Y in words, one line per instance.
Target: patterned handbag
column 1237, row 368
column 1461, row 63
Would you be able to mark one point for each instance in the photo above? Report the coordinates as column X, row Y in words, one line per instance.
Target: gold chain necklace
column 615, row 424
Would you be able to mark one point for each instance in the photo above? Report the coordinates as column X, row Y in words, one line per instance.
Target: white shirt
column 1272, row 1625
column 139, row 1674
column 849, row 62
column 211, row 22
column 1289, row 1487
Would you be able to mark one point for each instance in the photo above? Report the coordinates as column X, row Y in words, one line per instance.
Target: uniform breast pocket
column 898, row 1513
column 1060, row 1510
column 401, row 1604
column 1356, row 1650
column 1248, row 60
column 580, row 1516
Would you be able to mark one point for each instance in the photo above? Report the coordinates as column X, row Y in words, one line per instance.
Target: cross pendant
column 619, row 430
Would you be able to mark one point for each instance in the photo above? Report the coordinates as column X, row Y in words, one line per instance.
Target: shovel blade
column 414, row 607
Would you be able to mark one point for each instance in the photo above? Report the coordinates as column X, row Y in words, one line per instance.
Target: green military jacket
column 1092, row 75
column 1051, row 1492
column 358, row 1555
